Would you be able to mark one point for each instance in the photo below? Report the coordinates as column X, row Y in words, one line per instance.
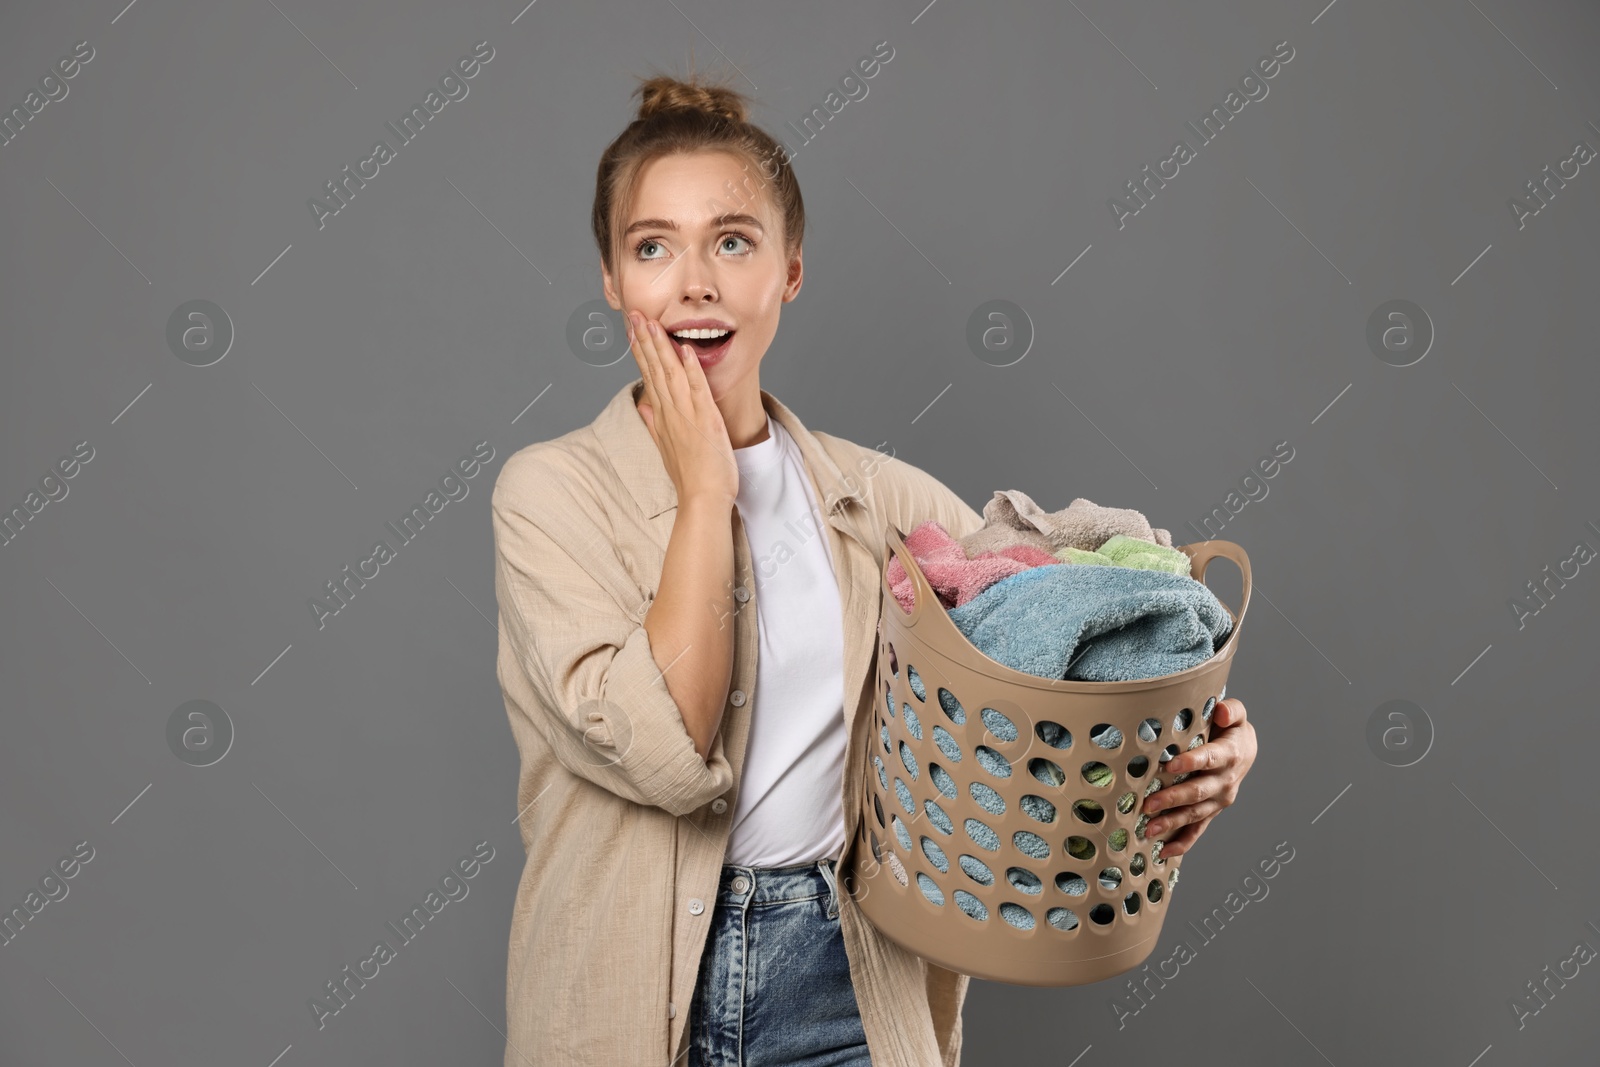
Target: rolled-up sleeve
column 580, row 669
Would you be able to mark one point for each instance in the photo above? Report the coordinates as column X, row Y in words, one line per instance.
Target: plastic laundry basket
column 967, row 852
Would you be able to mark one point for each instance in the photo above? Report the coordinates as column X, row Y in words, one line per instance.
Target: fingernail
column 652, row 327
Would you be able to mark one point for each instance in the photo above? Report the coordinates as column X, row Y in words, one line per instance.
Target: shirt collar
column 637, row 460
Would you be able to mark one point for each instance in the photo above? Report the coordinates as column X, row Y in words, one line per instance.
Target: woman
column 685, row 813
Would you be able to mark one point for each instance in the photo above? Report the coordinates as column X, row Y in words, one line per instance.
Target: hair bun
column 664, row 92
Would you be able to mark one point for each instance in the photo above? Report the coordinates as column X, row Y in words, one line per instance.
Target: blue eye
column 722, row 245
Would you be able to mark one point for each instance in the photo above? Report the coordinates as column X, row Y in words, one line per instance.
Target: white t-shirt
column 789, row 809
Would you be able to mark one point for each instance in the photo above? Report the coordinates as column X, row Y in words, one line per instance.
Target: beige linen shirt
column 624, row 824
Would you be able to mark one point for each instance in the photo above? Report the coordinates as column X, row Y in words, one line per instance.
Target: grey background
column 1228, row 315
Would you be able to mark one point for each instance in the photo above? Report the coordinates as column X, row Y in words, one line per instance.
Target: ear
column 791, row 287
column 610, row 288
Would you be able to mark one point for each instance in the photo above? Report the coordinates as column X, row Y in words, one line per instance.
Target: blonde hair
column 681, row 116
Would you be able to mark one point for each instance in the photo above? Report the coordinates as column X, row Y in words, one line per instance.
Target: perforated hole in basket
column 913, row 723
column 971, row 905
column 997, row 724
column 1053, row 734
column 982, row 835
column 1098, row 774
column 1072, row 884
column 1088, row 811
column 987, row 798
column 992, row 761
column 909, row 760
column 1031, row 845
column 1024, row 880
column 952, row 707
column 1039, row 808
column 1106, row 736
column 903, row 793
column 1047, row 771
column 976, row 869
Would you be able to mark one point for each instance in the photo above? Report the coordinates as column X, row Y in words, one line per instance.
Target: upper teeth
column 699, row 333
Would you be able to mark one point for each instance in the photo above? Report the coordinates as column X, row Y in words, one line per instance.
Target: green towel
column 1121, row 550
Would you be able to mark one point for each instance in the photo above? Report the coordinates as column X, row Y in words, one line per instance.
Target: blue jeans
column 774, row 986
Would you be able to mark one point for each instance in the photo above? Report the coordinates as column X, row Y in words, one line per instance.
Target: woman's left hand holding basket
column 1215, row 770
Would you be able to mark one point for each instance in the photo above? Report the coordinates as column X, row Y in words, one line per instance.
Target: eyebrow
column 729, row 219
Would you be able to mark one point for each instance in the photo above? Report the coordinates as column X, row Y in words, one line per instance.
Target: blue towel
column 1095, row 624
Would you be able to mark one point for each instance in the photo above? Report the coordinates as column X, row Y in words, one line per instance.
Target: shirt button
column 719, row 805
column 741, row 594
column 736, row 698
column 696, row 906
column 672, row 1010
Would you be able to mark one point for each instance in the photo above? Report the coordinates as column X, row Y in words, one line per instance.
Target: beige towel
column 993, row 538
column 1081, row 524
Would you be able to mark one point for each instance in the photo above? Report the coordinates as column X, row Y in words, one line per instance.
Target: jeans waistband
column 739, row 885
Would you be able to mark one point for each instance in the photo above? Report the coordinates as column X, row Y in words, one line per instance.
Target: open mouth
column 709, row 345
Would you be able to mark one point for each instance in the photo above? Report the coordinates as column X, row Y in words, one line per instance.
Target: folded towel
column 1081, row 524
column 1097, row 624
column 1125, row 551
column 955, row 578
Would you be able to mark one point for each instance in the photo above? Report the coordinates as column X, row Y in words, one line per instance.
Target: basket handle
column 921, row 592
column 1201, row 554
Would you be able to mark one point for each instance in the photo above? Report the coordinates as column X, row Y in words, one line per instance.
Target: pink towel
column 955, row 578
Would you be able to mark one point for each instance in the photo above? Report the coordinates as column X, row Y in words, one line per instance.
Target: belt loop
column 828, row 873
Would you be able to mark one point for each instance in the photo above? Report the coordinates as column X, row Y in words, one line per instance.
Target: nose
column 697, row 282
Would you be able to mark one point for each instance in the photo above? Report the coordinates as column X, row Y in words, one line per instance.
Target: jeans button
column 740, row 884
column 696, row 906
column 736, row 698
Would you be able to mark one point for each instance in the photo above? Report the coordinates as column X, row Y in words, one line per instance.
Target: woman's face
column 681, row 260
